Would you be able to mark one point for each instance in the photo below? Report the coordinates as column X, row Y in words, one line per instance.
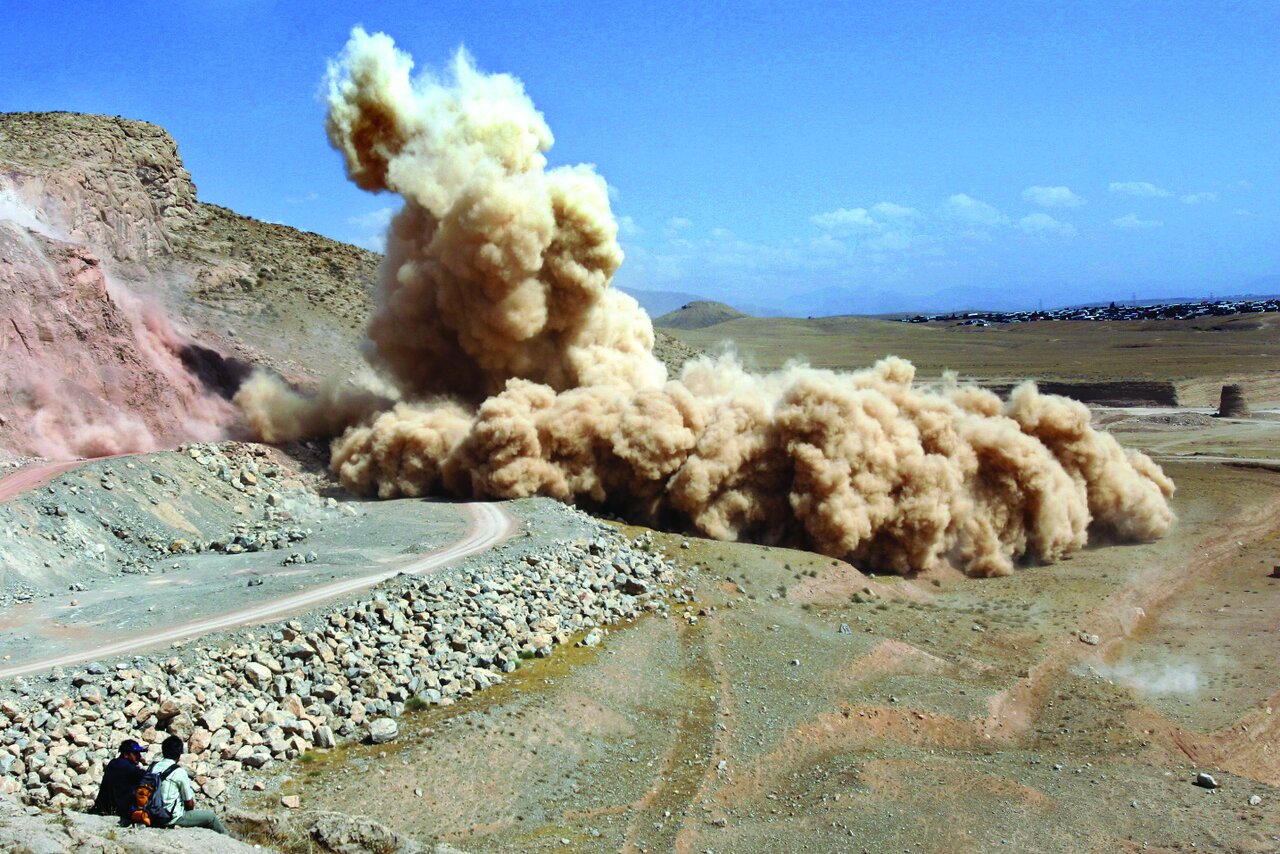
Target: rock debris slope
column 245, row 705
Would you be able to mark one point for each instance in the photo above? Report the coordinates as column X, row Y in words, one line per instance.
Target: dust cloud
column 152, row 404
column 89, row 367
column 1155, row 679
column 515, row 370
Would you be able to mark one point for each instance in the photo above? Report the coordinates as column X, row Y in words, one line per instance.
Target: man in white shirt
column 177, row 792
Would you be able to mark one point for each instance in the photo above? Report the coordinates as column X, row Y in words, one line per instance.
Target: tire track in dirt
column 678, row 779
column 1120, row 615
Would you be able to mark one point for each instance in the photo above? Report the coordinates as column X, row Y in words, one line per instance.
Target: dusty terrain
column 758, row 700
column 954, row 715
column 1196, row 356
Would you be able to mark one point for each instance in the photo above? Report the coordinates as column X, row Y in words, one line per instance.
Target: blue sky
column 804, row 156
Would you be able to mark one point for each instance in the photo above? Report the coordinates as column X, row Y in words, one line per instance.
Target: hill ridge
column 699, row 314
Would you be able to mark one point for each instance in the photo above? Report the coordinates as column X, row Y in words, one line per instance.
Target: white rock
column 382, row 730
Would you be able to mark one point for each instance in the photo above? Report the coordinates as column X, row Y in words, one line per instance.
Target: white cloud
column 844, row 218
column 1199, row 198
column 305, row 198
column 1053, row 197
column 379, row 219
column 826, row 243
column 1141, row 189
column 887, row 215
column 1045, row 225
column 889, row 210
column 373, row 226
column 627, row 227
column 1132, row 221
column 971, row 210
column 678, row 223
column 890, row 241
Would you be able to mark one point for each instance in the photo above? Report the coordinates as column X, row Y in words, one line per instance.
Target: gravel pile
column 130, row 516
column 268, row 698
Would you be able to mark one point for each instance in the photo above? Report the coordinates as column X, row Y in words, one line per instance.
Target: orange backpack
column 148, row 807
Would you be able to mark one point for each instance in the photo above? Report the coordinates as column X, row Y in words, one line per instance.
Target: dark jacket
column 115, row 795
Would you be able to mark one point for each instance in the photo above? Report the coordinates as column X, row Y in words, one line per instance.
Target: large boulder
column 382, row 730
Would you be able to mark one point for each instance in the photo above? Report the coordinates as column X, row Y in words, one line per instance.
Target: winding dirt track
column 490, row 526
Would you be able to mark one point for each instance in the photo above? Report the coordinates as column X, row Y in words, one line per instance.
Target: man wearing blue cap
column 115, row 794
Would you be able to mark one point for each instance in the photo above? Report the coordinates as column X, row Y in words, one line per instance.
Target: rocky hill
column 118, row 188
column 698, row 315
column 104, row 243
column 113, row 184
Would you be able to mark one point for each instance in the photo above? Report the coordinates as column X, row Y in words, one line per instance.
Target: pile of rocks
column 238, row 465
column 119, row 516
column 247, row 705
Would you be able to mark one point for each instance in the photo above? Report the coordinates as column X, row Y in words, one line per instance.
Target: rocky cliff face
column 90, row 363
column 112, row 184
column 101, row 244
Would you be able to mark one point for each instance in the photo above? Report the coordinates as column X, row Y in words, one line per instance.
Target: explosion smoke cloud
column 520, row 372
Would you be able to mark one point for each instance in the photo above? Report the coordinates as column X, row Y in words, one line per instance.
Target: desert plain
column 799, row 703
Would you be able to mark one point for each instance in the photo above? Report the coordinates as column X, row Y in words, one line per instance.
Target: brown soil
column 956, row 715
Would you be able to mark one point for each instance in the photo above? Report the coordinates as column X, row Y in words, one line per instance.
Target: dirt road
column 33, row 476
column 490, row 525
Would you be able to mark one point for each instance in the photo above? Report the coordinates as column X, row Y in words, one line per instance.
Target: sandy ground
column 955, row 714
column 1187, row 432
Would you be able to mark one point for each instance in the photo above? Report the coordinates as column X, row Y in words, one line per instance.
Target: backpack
column 149, row 808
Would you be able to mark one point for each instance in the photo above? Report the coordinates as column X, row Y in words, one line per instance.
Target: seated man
column 121, row 776
column 177, row 793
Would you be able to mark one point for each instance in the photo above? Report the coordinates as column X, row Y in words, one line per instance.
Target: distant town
column 1113, row 311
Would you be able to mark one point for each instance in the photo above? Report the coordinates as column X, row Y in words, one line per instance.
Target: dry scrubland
column 1197, row 356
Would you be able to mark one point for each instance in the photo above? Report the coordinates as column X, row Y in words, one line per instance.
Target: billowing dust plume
column 88, row 367
column 519, row 372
